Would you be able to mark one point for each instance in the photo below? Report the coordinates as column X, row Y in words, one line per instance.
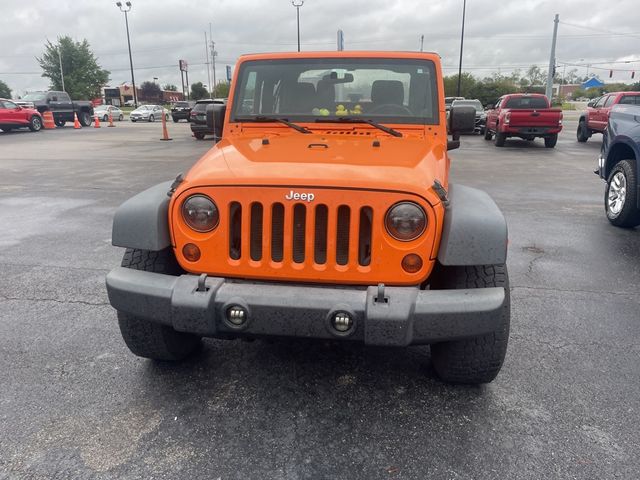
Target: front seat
column 387, row 92
column 297, row 98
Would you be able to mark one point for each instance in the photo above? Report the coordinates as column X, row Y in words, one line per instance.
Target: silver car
column 149, row 113
column 102, row 111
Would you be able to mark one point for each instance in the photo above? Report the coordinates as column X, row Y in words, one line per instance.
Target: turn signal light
column 412, row 263
column 191, row 252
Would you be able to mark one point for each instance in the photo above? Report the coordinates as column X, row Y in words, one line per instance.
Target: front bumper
column 400, row 316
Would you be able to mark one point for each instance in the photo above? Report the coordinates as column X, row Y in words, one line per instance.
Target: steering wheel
column 391, row 109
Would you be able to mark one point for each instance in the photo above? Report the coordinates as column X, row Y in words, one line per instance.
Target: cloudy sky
column 499, row 35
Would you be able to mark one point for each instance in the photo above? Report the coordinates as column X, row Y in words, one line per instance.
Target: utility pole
column 61, row 72
column 464, row 11
column 421, row 43
column 126, row 9
column 213, row 62
column 552, row 59
column 298, row 4
column 206, row 58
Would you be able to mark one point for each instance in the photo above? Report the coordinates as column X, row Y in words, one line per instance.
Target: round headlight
column 406, row 221
column 200, row 213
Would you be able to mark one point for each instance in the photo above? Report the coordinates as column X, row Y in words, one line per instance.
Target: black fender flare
column 142, row 222
column 474, row 231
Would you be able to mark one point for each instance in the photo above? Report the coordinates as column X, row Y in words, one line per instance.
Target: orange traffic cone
column 49, row 123
column 165, row 132
column 76, row 123
column 111, row 119
column 96, row 122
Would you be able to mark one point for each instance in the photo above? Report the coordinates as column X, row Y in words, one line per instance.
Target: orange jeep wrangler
column 324, row 211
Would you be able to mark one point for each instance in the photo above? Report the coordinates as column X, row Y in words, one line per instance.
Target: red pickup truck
column 595, row 119
column 526, row 116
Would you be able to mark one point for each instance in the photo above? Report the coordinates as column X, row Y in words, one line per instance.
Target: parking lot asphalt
column 76, row 404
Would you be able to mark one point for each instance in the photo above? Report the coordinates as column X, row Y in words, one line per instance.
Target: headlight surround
column 405, row 221
column 200, row 213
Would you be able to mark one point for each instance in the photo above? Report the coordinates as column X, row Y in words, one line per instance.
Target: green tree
column 83, row 77
column 170, row 87
column 467, row 82
column 221, row 90
column 198, row 91
column 5, row 91
column 150, row 91
column 536, row 76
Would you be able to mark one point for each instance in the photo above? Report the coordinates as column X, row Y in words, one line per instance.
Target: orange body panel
column 347, row 169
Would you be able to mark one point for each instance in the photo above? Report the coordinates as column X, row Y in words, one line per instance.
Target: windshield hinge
column 441, row 192
column 179, row 179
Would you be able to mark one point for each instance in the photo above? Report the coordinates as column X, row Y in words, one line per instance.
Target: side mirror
column 215, row 119
column 462, row 119
column 591, row 104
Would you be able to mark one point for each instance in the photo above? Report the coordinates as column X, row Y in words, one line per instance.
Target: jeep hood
column 409, row 164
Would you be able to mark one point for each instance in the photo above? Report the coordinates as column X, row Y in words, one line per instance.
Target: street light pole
column 61, row 72
column 464, row 10
column 298, row 4
column 125, row 10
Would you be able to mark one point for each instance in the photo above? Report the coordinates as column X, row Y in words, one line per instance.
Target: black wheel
column 59, row 123
column 121, row 118
column 199, row 136
column 500, row 139
column 85, row 119
column 143, row 337
column 487, row 134
column 621, row 195
column 550, row 142
column 133, row 120
column 478, row 359
column 35, row 125
column 152, row 118
column 583, row 133
column 176, row 120
column 105, row 118
column 166, row 116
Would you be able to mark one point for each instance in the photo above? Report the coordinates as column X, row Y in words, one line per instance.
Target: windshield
column 378, row 89
column 35, row 96
column 469, row 103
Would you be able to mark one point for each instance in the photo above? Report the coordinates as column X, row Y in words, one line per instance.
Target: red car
column 13, row 116
column 524, row 115
column 595, row 119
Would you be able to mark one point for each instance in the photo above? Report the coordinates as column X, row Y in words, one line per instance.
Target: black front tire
column 487, row 134
column 199, row 136
column 629, row 215
column 59, row 123
column 500, row 139
column 152, row 118
column 149, row 339
column 550, row 142
column 35, row 125
column 175, row 120
column 105, row 118
column 477, row 359
column 583, row 132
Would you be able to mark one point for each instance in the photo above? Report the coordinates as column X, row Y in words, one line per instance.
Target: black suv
column 181, row 111
column 199, row 117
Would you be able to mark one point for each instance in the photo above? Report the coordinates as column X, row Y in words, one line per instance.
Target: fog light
column 342, row 322
column 412, row 263
column 191, row 252
column 236, row 315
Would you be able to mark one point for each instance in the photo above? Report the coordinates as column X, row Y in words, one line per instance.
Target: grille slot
column 320, row 240
column 299, row 225
column 364, row 237
column 277, row 232
column 235, row 230
column 256, row 231
column 342, row 235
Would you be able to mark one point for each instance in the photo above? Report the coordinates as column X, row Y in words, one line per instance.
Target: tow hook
column 441, row 192
column 179, row 179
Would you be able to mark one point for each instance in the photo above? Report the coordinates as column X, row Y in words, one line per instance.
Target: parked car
column 315, row 224
column 149, row 113
column 596, row 117
column 448, row 101
column 181, row 111
column 61, row 105
column 199, row 117
column 524, row 115
column 103, row 111
column 481, row 115
column 14, row 116
column 619, row 165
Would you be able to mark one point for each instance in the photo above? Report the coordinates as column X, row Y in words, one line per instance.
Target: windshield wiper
column 384, row 128
column 265, row 119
